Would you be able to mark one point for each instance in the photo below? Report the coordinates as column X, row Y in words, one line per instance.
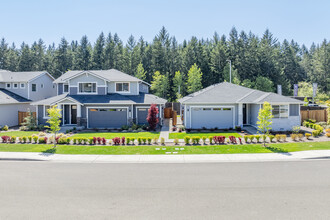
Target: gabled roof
column 231, row 93
column 8, row 76
column 114, row 98
column 109, row 75
column 7, row 97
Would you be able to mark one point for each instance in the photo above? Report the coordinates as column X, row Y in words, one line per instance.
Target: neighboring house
column 227, row 105
column 19, row 89
column 100, row 99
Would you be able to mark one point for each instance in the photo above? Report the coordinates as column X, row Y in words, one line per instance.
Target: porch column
column 59, row 106
column 240, row 114
column 78, row 115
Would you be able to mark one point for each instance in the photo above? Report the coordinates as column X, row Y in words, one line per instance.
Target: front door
column 73, row 114
column 244, row 114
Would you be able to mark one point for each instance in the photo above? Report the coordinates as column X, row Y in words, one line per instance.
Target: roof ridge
column 249, row 93
column 262, row 97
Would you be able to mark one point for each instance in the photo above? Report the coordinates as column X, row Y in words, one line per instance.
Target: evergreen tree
column 140, row 73
column 98, row 53
column 83, row 56
column 159, row 85
column 264, row 84
column 63, row 57
column 194, row 82
column 178, row 85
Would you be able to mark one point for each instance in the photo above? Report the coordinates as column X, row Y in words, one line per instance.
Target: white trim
column 129, row 87
column 14, row 86
column 74, row 86
column 87, row 93
column 138, row 88
column 80, row 73
column 213, row 106
column 69, row 98
column 70, row 113
column 32, row 87
column 288, row 105
column 28, row 84
column 37, row 116
column 66, row 84
column 44, row 112
column 87, row 112
column 20, row 85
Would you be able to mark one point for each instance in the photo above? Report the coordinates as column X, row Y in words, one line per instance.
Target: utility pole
column 229, row 70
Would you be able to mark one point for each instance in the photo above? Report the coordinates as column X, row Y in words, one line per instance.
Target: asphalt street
column 254, row 190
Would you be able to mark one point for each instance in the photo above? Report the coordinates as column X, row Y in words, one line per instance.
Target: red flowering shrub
column 99, row 140
column 56, row 139
column 219, row 139
column 152, row 116
column 232, row 139
column 94, row 140
column 123, row 140
column 43, row 140
column 104, row 141
column 116, row 140
column 240, row 140
column 5, row 139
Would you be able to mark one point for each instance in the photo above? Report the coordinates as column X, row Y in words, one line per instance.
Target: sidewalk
column 191, row 158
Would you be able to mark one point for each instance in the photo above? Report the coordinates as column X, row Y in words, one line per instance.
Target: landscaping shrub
column 61, row 140
column 42, row 134
column 99, row 140
column 125, row 127
column 155, row 140
column 195, row 139
column 162, row 141
column 252, row 138
column 80, row 140
column 139, row 139
column 74, row 140
column 68, row 140
column 263, row 137
column 307, row 135
column 283, row 137
column 219, row 139
column 278, row 137
column 24, row 138
column 300, row 136
column 187, row 139
column 5, row 139
column 116, row 140
column 94, row 140
column 176, row 141
column 149, row 140
column 35, row 139
column 210, row 139
column 327, row 134
column 103, row 141
column 204, row 139
column 128, row 141
column 152, row 116
column 315, row 133
column 240, row 140
column 232, row 139
column 327, row 130
column 294, row 137
column 30, row 139
column 91, row 140
column 13, row 139
column 133, row 140
column 123, row 140
column 144, row 139
column 246, row 138
column 257, row 138
column 43, row 140
column 271, row 138
column 5, row 128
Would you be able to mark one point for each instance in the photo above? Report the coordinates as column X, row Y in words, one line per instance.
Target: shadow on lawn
column 277, row 150
column 49, row 151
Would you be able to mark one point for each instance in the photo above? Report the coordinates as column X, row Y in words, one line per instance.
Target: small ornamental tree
column 152, row 116
column 54, row 120
column 30, row 121
column 265, row 118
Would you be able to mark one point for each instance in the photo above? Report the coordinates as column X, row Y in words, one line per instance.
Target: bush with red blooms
column 56, row 139
column 104, row 141
column 94, row 140
column 152, row 116
column 99, row 140
column 219, row 139
column 233, row 139
column 240, row 140
column 116, row 141
column 123, row 140
column 5, row 139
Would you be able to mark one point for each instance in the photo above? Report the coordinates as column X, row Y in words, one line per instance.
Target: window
column 15, row 85
column 216, row 109
column 22, row 86
column 280, row 111
column 87, row 87
column 206, row 109
column 8, row 85
column 122, row 87
column 46, row 107
column 34, row 87
column 66, row 88
column 227, row 109
column 42, row 86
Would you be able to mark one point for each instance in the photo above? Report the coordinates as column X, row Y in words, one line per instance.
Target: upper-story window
column 8, row 85
column 87, row 88
column 66, row 88
column 15, row 85
column 280, row 111
column 22, row 86
column 122, row 87
column 34, row 87
column 42, row 86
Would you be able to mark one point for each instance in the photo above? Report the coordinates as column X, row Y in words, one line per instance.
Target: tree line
column 176, row 69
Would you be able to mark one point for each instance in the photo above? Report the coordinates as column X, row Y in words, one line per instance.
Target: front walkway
column 191, row 158
column 165, row 131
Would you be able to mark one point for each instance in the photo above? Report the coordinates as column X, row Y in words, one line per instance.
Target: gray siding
column 60, row 88
column 73, row 90
column 253, row 112
column 86, row 78
column 9, row 113
column 101, row 90
column 47, row 91
column 133, row 88
column 22, row 92
column 144, row 88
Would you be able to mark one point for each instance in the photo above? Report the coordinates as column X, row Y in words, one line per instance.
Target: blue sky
column 303, row 21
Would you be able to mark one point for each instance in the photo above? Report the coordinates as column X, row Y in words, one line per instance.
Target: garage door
column 212, row 117
column 142, row 114
column 107, row 117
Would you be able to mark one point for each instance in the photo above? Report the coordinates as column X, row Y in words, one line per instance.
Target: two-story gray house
column 100, row 99
column 19, row 89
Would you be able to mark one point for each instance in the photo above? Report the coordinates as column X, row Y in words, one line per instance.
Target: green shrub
column 187, row 139
column 5, row 128
column 278, row 137
column 195, row 139
column 315, row 133
column 211, row 139
column 61, row 141
column 162, row 141
column 132, row 139
column 176, row 141
column 128, row 140
column 257, row 138
column 144, row 139
column 13, row 139
column 155, row 140
column 307, row 135
column 246, row 138
column 271, row 138
column 35, row 139
column 204, row 139
column 68, row 140
column 294, row 137
column 139, row 139
column 85, row 140
column 90, row 140
column 252, row 137
column 24, row 139
column 74, row 140
column 80, row 140
column 30, row 139
column 283, row 137
column 149, row 139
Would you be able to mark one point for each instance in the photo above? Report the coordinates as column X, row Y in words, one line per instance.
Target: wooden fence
column 22, row 115
column 318, row 115
column 168, row 112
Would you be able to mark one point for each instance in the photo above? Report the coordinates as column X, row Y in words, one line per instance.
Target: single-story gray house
column 100, row 99
column 226, row 105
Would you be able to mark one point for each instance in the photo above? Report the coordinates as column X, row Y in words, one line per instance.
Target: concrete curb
column 191, row 158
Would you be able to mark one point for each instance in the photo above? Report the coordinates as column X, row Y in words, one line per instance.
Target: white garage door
column 212, row 117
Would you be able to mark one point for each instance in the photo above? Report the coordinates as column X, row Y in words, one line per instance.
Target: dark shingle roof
column 7, row 97
column 231, row 93
column 106, row 99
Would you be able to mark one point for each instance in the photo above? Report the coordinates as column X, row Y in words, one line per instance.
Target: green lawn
column 110, row 135
column 18, row 133
column 151, row 149
column 206, row 134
